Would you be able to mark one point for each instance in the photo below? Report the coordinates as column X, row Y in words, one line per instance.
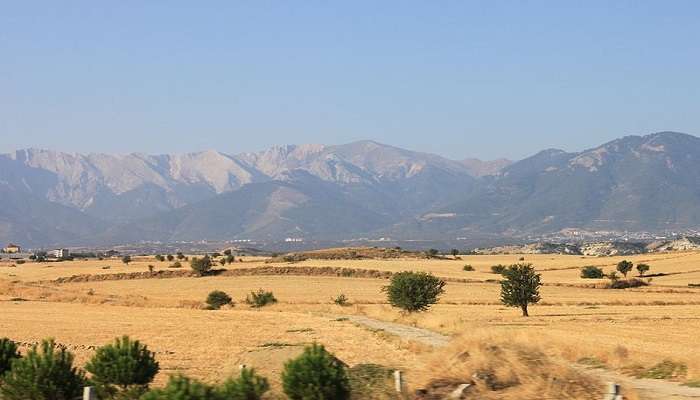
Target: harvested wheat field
column 577, row 325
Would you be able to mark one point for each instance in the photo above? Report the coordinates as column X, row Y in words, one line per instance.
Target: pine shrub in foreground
column 124, row 368
column 46, row 372
column 8, row 353
column 180, row 387
column 248, row 386
column 315, row 375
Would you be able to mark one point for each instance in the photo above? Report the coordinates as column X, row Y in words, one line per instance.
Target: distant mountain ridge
column 345, row 191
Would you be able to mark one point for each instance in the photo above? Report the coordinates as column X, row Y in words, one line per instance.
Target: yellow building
column 12, row 249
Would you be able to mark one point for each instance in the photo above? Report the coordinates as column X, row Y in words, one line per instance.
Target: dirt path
column 419, row 335
column 648, row 389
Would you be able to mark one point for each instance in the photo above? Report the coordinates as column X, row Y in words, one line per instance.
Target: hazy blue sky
column 463, row 78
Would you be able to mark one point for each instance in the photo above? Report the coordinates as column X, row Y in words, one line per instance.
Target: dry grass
column 513, row 367
column 651, row 324
column 205, row 344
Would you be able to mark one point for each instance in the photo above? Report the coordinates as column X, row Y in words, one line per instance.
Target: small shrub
column 20, row 262
column 151, row 268
column 626, row 283
column 8, row 353
column 341, row 300
column 170, row 257
column 371, row 381
column 414, row 291
column 183, row 388
column 260, row 298
column 217, row 299
column 498, row 269
column 176, row 264
column 125, row 367
column 431, row 253
column 46, row 372
column 248, row 386
column 467, row 268
column 315, row 375
column 201, row 265
column 160, row 258
column 126, row 260
column 591, row 272
column 666, row 369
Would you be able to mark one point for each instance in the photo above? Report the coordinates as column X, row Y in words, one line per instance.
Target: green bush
column 498, row 269
column 315, row 375
column 8, row 353
column 46, row 372
column 261, row 298
column 201, row 265
column 123, row 367
column 248, row 386
column 414, row 291
column 126, row 260
column 217, row 299
column 342, row 300
column 183, row 388
column 467, row 268
column 591, row 272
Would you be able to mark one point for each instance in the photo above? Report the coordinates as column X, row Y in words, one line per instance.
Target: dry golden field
column 622, row 329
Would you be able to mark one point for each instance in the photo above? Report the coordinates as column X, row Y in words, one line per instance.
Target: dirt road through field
column 648, row 389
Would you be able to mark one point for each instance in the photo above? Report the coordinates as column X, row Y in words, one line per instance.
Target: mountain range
column 354, row 190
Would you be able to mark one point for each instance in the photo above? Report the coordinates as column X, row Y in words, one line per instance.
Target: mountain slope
column 633, row 183
column 305, row 207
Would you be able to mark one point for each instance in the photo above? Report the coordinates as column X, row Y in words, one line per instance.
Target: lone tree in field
column 643, row 269
column 45, row 373
column 201, row 265
column 624, row 267
column 8, row 353
column 315, row 375
column 123, row 369
column 126, row 260
column 455, row 253
column 414, row 291
column 520, row 287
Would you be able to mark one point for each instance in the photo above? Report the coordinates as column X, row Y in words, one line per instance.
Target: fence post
column 398, row 381
column 89, row 393
column 612, row 392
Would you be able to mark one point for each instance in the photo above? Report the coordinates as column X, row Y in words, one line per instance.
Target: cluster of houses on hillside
column 14, row 252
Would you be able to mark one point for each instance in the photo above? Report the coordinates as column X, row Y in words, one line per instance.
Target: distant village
column 15, row 252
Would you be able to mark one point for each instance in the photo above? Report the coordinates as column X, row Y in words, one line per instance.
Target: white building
column 59, row 253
